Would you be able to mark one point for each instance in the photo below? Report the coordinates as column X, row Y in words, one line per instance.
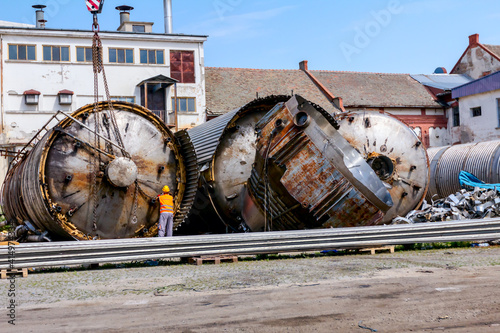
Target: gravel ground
column 282, row 288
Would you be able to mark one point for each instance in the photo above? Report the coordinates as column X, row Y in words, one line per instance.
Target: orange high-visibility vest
column 166, row 203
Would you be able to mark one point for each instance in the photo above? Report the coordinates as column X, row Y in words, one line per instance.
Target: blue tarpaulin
column 468, row 179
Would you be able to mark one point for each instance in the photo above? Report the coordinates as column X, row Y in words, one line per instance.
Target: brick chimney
column 303, row 65
column 474, row 40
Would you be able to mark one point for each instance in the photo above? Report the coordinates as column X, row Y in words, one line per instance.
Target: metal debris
column 475, row 204
column 365, row 327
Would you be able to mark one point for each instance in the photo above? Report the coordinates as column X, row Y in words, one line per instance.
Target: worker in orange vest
column 166, row 222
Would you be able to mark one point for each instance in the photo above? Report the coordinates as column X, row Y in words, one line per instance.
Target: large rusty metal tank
column 482, row 159
column 51, row 187
column 396, row 154
column 225, row 149
column 306, row 175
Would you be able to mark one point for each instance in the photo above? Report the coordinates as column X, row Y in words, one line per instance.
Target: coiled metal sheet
column 481, row 159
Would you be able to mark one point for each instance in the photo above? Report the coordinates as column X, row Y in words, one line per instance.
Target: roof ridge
column 313, row 70
column 355, row 72
column 252, row 69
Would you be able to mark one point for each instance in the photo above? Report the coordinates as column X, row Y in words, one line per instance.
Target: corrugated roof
column 484, row 84
column 230, row 88
column 376, row 89
column 442, row 81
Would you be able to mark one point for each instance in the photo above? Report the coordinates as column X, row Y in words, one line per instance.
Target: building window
column 152, row 57
column 65, row 97
column 84, row 54
column 121, row 56
column 184, row 104
column 498, row 111
column 31, row 97
column 130, row 99
column 476, row 112
column 456, row 116
column 182, row 66
column 22, row 52
column 56, row 53
column 138, row 28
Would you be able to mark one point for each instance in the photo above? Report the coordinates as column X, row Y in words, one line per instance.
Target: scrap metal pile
column 476, row 204
column 284, row 163
column 277, row 163
column 451, row 167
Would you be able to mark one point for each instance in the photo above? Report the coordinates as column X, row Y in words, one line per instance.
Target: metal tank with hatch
column 51, row 190
column 307, row 175
column 482, row 159
column 394, row 152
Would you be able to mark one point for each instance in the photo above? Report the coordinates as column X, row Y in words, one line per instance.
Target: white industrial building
column 45, row 70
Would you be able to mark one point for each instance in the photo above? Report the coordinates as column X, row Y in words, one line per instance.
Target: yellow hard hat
column 166, row 189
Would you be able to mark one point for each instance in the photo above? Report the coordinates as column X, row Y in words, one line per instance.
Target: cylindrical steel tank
column 225, row 148
column 51, row 187
column 306, row 175
column 482, row 159
column 396, row 154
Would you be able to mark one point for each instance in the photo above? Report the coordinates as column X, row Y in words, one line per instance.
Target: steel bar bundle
column 121, row 250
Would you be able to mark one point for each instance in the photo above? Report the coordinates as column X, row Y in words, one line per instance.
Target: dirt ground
column 452, row 290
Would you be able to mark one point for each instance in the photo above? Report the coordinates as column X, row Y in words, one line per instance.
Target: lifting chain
column 95, row 160
column 136, row 198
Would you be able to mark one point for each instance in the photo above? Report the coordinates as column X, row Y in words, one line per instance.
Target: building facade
column 476, row 116
column 478, row 59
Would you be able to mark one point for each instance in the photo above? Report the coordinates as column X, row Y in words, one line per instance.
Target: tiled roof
column 229, row 88
column 376, row 89
column 493, row 48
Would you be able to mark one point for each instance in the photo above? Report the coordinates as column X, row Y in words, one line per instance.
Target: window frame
column 455, row 113
column 182, row 80
column 187, row 104
column 84, row 53
column 147, row 57
column 52, row 53
column 125, row 55
column 17, row 52
column 143, row 26
column 476, row 112
column 498, row 111
column 123, row 98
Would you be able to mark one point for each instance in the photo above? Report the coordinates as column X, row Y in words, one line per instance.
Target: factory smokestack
column 167, row 6
column 124, row 13
column 40, row 19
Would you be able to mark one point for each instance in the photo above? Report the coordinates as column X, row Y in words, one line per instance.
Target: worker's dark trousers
column 165, row 225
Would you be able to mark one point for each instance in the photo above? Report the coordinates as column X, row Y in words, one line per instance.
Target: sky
column 385, row 36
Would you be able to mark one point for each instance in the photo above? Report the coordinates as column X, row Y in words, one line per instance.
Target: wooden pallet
column 215, row 259
column 372, row 250
column 5, row 272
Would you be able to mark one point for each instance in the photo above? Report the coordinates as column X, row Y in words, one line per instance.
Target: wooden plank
column 5, row 272
column 9, row 243
column 215, row 259
column 372, row 250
